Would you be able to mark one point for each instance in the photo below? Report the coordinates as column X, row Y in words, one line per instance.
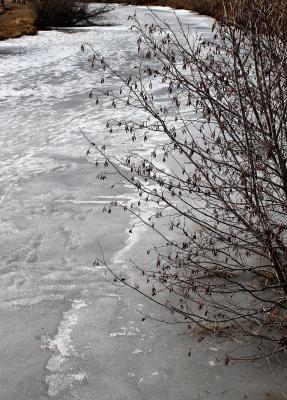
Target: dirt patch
column 16, row 21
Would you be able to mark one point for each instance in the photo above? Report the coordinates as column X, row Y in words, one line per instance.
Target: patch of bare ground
column 17, row 20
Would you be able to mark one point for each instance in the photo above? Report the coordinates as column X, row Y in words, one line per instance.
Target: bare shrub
column 219, row 179
column 54, row 13
column 208, row 7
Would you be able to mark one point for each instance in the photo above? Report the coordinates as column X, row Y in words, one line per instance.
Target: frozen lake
column 65, row 332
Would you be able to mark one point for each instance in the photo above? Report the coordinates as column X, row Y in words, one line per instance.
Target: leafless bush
column 207, row 7
column 53, row 13
column 221, row 184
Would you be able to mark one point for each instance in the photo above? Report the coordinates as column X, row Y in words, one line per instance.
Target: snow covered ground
column 65, row 332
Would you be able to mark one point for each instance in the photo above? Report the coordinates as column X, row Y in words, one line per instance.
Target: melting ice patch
column 130, row 331
column 136, row 351
column 59, row 383
column 120, row 256
column 61, row 348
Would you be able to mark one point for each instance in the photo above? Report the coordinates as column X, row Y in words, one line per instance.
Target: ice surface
column 65, row 332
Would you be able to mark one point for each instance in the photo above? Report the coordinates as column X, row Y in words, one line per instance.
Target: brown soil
column 16, row 21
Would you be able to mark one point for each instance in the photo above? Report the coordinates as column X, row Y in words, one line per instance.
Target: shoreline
column 19, row 20
column 210, row 8
column 16, row 21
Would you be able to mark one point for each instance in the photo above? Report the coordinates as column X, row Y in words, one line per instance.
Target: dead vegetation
column 207, row 7
column 59, row 13
column 16, row 21
column 223, row 126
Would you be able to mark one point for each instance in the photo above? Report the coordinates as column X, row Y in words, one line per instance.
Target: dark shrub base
column 56, row 13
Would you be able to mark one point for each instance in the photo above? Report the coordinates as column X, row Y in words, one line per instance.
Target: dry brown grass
column 214, row 8
column 218, row 329
column 207, row 7
column 17, row 21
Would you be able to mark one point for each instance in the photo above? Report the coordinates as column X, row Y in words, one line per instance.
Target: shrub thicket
column 208, row 7
column 64, row 13
column 223, row 193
